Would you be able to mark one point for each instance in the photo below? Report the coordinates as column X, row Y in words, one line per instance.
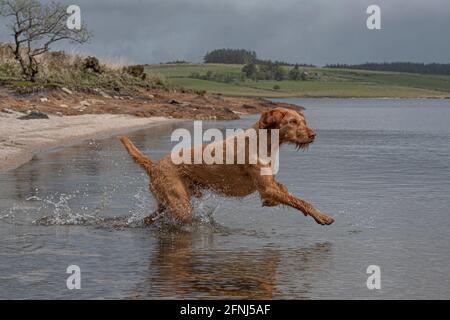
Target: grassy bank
column 342, row 83
column 59, row 69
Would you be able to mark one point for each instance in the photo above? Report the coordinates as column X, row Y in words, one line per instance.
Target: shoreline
column 74, row 116
column 356, row 98
column 20, row 140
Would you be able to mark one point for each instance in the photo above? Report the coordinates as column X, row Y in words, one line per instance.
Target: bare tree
column 35, row 27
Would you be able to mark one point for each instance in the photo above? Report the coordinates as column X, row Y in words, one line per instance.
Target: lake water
column 381, row 168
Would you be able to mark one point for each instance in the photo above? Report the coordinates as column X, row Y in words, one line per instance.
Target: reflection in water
column 184, row 266
column 24, row 183
column 185, row 272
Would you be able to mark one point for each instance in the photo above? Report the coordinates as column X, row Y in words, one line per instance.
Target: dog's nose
column 312, row 134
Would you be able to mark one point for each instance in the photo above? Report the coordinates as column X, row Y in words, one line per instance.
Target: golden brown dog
column 173, row 185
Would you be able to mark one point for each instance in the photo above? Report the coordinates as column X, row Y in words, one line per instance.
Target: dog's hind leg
column 155, row 215
column 180, row 207
column 175, row 197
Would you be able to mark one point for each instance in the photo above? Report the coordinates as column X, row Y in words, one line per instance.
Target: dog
column 173, row 185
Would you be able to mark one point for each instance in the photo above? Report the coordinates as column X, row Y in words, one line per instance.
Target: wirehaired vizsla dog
column 173, row 185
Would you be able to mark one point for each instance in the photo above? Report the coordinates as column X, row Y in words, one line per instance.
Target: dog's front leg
column 299, row 204
column 270, row 202
column 271, row 192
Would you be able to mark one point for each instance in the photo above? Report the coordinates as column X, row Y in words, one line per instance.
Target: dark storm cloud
column 310, row 31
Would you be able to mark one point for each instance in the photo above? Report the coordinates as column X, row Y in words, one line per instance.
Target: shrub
column 137, row 71
column 92, row 64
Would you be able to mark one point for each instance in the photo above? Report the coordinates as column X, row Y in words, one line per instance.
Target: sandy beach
column 21, row 139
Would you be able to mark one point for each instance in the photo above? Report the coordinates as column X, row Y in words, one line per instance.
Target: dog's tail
column 136, row 154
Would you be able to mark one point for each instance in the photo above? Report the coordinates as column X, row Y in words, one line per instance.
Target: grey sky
column 309, row 31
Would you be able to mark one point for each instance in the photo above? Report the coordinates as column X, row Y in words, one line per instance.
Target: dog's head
column 291, row 125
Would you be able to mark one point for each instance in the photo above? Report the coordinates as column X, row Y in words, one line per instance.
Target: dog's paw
column 323, row 219
column 269, row 203
column 148, row 221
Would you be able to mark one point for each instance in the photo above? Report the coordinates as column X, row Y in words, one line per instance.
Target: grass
column 185, row 70
column 343, row 83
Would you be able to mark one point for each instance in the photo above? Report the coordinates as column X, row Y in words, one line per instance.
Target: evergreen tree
column 230, row 56
column 250, row 70
column 294, row 73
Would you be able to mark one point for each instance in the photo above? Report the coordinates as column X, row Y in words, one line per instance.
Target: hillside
column 326, row 82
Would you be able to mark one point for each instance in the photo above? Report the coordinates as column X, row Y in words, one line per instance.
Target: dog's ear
column 271, row 119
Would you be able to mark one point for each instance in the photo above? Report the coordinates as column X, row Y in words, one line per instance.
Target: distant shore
column 322, row 82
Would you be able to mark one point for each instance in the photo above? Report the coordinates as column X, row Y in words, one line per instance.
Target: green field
column 342, row 83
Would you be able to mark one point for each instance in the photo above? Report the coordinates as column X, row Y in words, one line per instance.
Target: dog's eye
column 294, row 121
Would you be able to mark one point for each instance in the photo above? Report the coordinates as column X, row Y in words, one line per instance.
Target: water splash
column 61, row 212
column 77, row 209
column 206, row 207
column 144, row 205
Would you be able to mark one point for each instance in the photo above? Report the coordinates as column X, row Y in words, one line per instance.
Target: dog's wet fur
column 173, row 185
